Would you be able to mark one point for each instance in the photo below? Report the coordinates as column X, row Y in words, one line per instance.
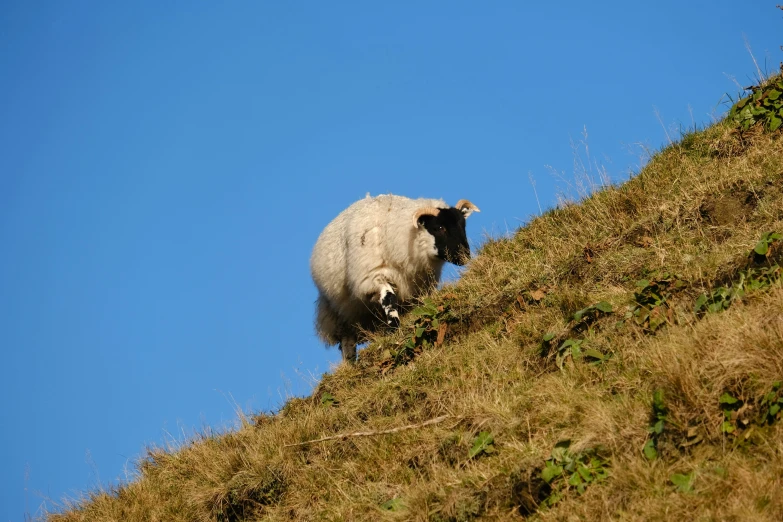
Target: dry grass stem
column 344, row 436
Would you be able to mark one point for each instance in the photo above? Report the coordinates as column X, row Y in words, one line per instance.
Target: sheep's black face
column 448, row 229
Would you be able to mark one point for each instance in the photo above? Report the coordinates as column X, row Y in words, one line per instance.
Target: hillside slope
column 615, row 359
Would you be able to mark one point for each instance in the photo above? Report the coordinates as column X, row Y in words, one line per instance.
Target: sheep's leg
column 348, row 348
column 389, row 303
column 377, row 287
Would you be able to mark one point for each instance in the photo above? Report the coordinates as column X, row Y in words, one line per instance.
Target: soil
column 728, row 209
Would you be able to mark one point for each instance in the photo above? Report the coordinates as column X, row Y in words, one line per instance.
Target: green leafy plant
column 565, row 471
column 761, row 278
column 546, row 343
column 431, row 321
column 683, row 481
column 750, row 280
column 328, row 400
column 660, row 415
column 429, row 329
column 651, row 308
column 738, row 417
column 729, row 405
column 771, row 404
column 762, row 248
column 718, row 300
column 573, row 348
column 484, row 444
column 394, row 504
column 569, row 347
column 763, row 106
column 586, row 316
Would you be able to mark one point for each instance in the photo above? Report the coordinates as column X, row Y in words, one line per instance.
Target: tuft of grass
column 566, row 471
column 660, row 415
column 575, row 328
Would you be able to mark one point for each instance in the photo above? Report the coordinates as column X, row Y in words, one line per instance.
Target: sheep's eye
column 440, row 228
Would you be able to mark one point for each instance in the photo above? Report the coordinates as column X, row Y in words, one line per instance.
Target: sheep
column 377, row 254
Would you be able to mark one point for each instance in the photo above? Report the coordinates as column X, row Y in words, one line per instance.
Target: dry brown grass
column 695, row 210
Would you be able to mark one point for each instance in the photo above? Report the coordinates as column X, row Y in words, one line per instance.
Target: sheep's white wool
column 369, row 249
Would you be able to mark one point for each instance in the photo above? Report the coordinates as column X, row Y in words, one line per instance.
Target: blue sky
column 165, row 168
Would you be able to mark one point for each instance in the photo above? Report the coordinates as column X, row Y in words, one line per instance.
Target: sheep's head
column 447, row 226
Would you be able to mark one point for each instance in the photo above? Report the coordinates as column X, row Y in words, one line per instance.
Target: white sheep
column 377, row 253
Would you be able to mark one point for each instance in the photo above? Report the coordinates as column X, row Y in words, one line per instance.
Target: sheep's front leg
column 348, row 348
column 377, row 287
column 388, row 301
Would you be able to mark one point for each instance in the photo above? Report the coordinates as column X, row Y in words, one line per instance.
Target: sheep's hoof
column 349, row 358
column 348, row 350
column 393, row 322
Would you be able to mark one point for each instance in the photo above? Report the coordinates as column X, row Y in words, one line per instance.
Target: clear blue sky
column 165, row 168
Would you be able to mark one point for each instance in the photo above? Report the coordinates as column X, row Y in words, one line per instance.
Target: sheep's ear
column 423, row 212
column 466, row 207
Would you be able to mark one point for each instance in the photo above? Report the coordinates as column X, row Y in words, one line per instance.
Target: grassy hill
column 619, row 358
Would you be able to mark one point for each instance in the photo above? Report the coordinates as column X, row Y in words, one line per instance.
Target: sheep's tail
column 327, row 322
